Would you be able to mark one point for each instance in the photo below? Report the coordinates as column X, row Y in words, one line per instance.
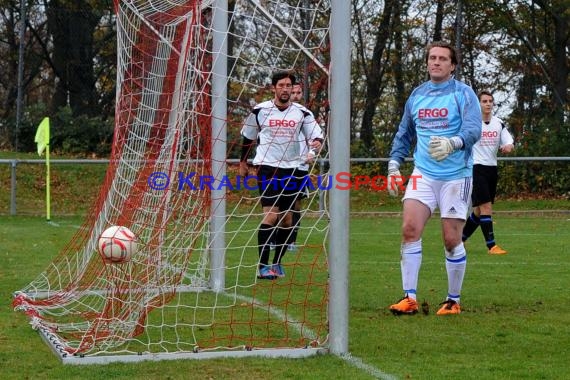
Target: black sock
column 470, row 226
column 283, row 237
column 487, row 228
column 296, row 223
column 265, row 235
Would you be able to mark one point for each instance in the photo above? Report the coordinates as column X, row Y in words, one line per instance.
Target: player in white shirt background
column 276, row 126
column 495, row 137
column 307, row 157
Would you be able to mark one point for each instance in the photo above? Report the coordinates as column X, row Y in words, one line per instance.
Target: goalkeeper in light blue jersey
column 442, row 117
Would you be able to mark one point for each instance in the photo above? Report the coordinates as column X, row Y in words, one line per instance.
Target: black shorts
column 278, row 187
column 303, row 178
column 485, row 180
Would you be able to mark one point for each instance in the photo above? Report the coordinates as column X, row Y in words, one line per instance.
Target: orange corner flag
column 42, row 135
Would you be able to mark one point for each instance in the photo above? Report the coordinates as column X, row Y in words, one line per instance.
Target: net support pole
column 20, row 95
column 340, row 162
column 219, row 133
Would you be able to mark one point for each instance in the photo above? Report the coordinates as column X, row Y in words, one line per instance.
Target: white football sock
column 410, row 263
column 455, row 263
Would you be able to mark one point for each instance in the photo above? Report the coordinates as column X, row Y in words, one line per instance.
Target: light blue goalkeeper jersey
column 439, row 109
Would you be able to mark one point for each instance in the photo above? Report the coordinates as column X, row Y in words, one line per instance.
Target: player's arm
column 469, row 133
column 506, row 143
column 402, row 143
column 401, row 146
column 246, row 148
column 313, row 132
column 316, row 144
column 249, row 135
column 507, row 148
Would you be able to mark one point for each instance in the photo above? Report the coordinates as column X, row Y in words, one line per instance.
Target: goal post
column 219, row 145
column 340, row 162
column 188, row 74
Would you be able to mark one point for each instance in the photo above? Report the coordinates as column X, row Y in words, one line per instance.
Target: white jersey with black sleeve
column 494, row 134
column 279, row 133
column 304, row 148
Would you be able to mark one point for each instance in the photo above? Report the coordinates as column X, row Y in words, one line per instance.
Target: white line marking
column 373, row 371
column 352, row 360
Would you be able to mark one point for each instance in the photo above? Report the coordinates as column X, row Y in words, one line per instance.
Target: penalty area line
column 371, row 370
column 349, row 358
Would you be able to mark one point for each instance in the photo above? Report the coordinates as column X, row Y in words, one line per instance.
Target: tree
column 72, row 24
column 10, row 24
column 69, row 59
column 374, row 74
column 540, row 37
column 516, row 48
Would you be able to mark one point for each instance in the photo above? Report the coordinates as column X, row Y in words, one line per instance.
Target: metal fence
column 14, row 163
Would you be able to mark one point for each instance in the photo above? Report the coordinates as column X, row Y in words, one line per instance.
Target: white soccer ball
column 117, row 244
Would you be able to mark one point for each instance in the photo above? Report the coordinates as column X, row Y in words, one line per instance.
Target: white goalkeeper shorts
column 451, row 197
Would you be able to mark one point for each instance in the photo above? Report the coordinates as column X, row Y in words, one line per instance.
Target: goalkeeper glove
column 441, row 147
column 394, row 177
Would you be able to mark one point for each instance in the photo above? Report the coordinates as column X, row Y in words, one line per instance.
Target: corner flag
column 42, row 135
column 42, row 139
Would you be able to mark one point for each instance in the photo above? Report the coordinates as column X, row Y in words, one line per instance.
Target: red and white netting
column 161, row 300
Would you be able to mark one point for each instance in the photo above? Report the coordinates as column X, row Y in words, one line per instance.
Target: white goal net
column 165, row 184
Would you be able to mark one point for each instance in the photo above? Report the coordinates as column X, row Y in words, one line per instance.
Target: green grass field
column 75, row 187
column 515, row 324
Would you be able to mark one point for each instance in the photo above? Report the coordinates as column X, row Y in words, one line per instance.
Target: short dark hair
column 282, row 74
column 445, row 45
column 485, row 92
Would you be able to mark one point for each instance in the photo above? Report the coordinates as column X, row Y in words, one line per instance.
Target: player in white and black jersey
column 308, row 157
column 276, row 126
column 494, row 137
